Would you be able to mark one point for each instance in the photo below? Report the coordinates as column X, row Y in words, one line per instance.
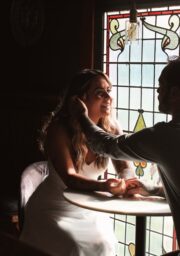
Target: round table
column 141, row 207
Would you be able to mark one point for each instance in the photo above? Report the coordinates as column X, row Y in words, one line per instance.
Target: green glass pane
column 157, row 224
column 155, row 243
column 148, row 50
column 147, row 34
column 123, row 118
column 120, row 230
column 120, row 249
column 159, row 117
column 135, row 74
column 148, row 118
column 113, row 73
column 124, row 56
column 113, row 55
column 130, row 234
column 162, row 21
column 135, row 97
column 147, row 102
column 136, row 51
column 123, row 74
column 131, row 219
column 123, row 95
column 120, row 217
column 160, row 55
column 133, row 118
column 147, row 75
column 168, row 226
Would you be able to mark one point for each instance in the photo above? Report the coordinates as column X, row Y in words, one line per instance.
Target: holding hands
column 133, row 186
column 116, row 187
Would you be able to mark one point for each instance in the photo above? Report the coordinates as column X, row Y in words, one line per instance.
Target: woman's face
column 98, row 99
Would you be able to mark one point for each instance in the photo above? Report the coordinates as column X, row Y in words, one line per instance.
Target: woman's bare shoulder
column 116, row 126
column 58, row 131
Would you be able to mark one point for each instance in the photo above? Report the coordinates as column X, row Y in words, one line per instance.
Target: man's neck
column 176, row 117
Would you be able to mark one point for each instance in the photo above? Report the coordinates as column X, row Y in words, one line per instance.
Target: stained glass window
column 134, row 68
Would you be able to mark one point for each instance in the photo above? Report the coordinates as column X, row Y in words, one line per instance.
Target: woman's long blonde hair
column 79, row 86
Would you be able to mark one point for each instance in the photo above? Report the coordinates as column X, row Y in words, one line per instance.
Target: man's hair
column 171, row 73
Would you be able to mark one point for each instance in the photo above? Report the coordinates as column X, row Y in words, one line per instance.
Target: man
column 159, row 144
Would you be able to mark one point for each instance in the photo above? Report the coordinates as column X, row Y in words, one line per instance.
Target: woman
column 51, row 223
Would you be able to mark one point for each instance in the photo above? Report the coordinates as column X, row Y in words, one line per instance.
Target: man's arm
column 108, row 145
column 99, row 141
column 138, row 146
column 105, row 143
column 118, row 147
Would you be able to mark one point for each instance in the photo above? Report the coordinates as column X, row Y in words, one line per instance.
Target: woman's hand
column 116, row 186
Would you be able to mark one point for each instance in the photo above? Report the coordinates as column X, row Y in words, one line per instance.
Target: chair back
column 31, row 178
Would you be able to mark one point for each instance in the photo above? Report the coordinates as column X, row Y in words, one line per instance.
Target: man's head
column 169, row 86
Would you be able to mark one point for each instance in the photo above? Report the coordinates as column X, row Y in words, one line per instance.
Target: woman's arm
column 60, row 154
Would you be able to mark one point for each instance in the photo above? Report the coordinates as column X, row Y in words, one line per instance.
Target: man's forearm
column 102, row 142
column 98, row 140
column 159, row 191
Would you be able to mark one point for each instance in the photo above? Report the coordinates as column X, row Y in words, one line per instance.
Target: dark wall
column 38, row 62
column 43, row 43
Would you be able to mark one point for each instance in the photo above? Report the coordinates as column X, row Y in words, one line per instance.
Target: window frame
column 102, row 6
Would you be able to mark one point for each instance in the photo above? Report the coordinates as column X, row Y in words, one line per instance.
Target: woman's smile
column 106, row 107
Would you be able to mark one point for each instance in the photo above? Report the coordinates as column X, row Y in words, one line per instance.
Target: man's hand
column 136, row 186
column 77, row 107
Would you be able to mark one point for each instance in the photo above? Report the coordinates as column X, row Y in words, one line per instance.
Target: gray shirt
column 159, row 144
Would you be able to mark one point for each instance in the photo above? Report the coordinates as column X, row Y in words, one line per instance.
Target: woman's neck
column 94, row 119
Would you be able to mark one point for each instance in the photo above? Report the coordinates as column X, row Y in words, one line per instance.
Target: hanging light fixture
column 132, row 25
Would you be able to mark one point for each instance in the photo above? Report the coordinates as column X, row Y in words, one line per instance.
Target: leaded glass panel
column 134, row 69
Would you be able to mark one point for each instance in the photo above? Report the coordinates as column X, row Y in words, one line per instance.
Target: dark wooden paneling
column 33, row 76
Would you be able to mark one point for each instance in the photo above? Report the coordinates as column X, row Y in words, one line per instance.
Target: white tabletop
column 105, row 202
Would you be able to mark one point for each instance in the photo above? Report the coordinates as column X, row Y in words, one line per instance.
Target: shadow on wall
column 20, row 122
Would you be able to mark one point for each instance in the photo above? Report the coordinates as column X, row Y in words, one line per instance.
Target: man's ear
column 175, row 90
column 175, row 93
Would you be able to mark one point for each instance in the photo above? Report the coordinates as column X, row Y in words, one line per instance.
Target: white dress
column 62, row 229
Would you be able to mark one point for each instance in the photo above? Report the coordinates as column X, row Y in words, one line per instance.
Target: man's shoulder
column 151, row 131
column 160, row 125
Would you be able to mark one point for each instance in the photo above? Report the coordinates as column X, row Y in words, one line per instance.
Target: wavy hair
column 78, row 86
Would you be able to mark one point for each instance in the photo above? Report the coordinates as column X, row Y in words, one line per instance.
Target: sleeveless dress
column 60, row 228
